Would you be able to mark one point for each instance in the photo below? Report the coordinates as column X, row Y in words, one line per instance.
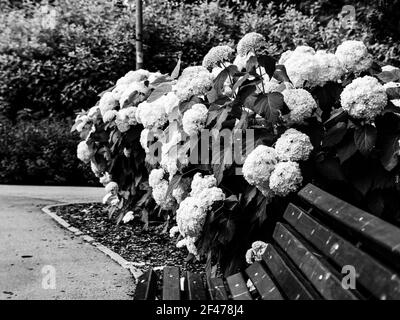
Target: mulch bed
column 150, row 247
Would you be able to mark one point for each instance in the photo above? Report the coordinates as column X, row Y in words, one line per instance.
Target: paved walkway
column 33, row 247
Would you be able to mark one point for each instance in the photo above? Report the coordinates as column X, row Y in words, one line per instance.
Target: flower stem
column 230, row 79
column 261, row 75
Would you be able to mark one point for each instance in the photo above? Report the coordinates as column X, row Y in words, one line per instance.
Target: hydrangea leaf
column 280, row 73
column 391, row 152
column 365, row 138
column 388, row 76
column 393, row 93
column 159, row 91
column 268, row 106
column 268, row 63
column 346, row 149
column 335, row 134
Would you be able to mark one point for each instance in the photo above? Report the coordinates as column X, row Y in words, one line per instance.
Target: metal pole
column 139, row 28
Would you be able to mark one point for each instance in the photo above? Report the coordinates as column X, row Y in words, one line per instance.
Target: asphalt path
column 41, row 260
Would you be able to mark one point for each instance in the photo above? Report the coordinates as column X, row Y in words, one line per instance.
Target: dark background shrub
column 41, row 152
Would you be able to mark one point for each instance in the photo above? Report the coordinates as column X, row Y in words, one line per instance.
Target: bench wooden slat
column 238, row 288
column 171, row 284
column 317, row 272
column 379, row 280
column 263, row 283
column 195, row 286
column 372, row 228
column 217, row 289
column 293, row 288
column 146, row 286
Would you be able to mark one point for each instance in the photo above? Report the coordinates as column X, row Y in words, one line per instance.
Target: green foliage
column 41, row 152
column 55, row 59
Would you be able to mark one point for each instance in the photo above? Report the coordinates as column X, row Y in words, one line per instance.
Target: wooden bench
column 311, row 255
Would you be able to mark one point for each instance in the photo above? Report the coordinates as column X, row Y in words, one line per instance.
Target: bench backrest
column 317, row 239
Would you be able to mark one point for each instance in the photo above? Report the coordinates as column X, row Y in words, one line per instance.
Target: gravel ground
column 149, row 247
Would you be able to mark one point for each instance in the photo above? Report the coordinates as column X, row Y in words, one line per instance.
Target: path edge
column 130, row 266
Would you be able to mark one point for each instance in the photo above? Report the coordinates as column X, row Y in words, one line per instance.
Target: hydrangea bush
column 169, row 143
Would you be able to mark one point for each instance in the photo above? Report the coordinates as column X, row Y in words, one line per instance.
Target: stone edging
column 136, row 272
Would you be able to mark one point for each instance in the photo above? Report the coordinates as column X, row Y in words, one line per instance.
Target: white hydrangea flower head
column 92, row 113
column 173, row 231
column 216, row 56
column 128, row 217
column 107, row 198
column 330, row 68
column 304, row 49
column 194, row 119
column 250, row 42
column 83, row 152
column 105, row 179
column 84, row 122
column 256, row 252
column 258, row 167
column 210, row 196
column 271, row 86
column 300, row 103
column 119, row 90
column 241, row 61
column 133, row 87
column 151, row 115
column 181, row 243
column 170, row 152
column 199, row 183
column 128, row 114
column 144, row 139
column 249, row 256
column 285, row 178
column 155, row 177
column 285, row 56
column 191, row 246
column 125, row 118
column 133, row 76
column 189, row 243
column 170, row 101
column 169, row 163
column 115, row 201
column 301, row 67
column 193, row 81
column 364, row 98
column 107, row 102
column 190, row 217
column 160, row 195
column 354, row 56
column 293, row 145
column 112, row 187
column 122, row 126
column 109, row 115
